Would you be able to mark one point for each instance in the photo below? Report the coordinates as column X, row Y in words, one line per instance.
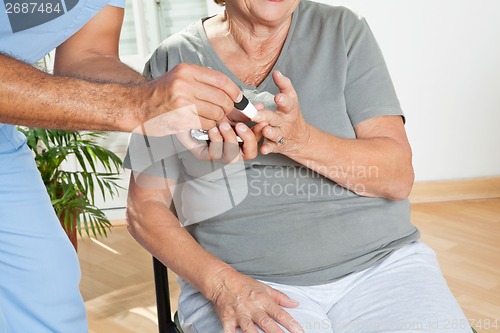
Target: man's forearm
column 100, row 68
column 33, row 98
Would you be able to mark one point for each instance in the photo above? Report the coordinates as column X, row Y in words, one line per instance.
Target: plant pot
column 71, row 231
column 70, row 187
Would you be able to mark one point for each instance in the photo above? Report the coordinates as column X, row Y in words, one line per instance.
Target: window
column 148, row 22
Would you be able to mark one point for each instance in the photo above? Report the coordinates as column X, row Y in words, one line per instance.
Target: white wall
column 444, row 58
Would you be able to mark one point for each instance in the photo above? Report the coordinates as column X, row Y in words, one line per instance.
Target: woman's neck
column 249, row 50
column 257, row 41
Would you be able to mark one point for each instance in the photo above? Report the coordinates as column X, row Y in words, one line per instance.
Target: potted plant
column 72, row 189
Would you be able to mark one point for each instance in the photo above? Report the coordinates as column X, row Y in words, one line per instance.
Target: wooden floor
column 466, row 238
column 117, row 282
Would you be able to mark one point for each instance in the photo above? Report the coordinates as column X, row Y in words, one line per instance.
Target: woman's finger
column 249, row 147
column 285, row 103
column 216, row 144
column 284, row 84
column 229, row 326
column 266, row 323
column 275, row 134
column 268, row 147
column 257, row 130
column 231, row 147
column 246, row 324
column 279, row 314
column 269, row 117
column 282, row 299
column 274, row 139
column 282, row 317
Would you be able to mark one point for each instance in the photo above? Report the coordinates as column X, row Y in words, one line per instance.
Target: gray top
column 271, row 218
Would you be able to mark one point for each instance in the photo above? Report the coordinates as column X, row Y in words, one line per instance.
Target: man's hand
column 211, row 93
column 195, row 96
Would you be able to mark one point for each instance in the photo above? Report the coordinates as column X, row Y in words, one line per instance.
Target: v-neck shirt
column 293, row 225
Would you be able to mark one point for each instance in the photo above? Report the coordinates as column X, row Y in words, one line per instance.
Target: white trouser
column 404, row 293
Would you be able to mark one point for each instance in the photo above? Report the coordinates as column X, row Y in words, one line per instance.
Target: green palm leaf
column 72, row 193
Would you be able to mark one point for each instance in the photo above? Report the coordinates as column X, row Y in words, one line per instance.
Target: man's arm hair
column 91, row 89
column 31, row 97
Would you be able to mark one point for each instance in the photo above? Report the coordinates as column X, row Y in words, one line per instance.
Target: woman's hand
column 285, row 130
column 243, row 302
column 224, row 143
column 224, row 146
column 381, row 149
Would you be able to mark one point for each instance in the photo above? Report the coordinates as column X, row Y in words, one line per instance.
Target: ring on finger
column 281, row 141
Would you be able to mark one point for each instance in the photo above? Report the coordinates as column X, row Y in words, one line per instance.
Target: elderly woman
column 317, row 237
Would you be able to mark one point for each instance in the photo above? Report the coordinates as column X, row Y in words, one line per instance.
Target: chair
column 165, row 322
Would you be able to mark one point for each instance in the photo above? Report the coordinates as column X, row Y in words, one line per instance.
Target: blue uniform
column 39, row 272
